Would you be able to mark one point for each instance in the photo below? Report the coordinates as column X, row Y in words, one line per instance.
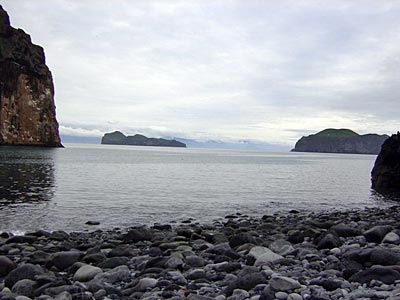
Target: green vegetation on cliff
column 336, row 133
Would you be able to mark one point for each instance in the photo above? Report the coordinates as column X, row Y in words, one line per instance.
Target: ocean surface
column 122, row 186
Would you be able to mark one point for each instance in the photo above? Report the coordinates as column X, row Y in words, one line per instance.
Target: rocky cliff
column 340, row 141
column 118, row 138
column 27, row 109
column 386, row 171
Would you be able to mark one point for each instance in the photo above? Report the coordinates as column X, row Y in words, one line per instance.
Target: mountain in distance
column 118, row 138
column 239, row 145
column 340, row 141
column 72, row 139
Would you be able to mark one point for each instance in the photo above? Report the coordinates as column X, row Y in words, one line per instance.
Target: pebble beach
column 296, row 255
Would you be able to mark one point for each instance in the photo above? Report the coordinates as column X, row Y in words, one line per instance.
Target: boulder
column 247, row 281
column 385, row 275
column 384, row 256
column 377, row 233
column 113, row 262
column 24, row 287
column 263, row 255
column 26, row 271
column 64, row 259
column 391, row 238
column 6, row 265
column 344, row 230
column 145, row 283
column 137, row 235
column 284, row 284
column 240, row 239
column 86, row 273
column 385, row 175
column 120, row 273
column 329, row 241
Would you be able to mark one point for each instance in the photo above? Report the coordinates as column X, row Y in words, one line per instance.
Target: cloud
column 263, row 70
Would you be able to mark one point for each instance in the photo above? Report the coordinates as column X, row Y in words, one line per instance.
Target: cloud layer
column 263, row 70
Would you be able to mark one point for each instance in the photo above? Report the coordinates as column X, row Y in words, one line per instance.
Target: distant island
column 118, row 138
column 340, row 141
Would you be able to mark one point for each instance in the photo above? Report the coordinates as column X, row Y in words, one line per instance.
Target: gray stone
column 281, row 295
column 59, row 235
column 113, row 262
column 117, row 274
column 145, row 283
column 345, row 230
column 177, row 277
column 20, row 239
column 63, row 296
column 56, row 290
column 24, row 287
column 100, row 294
column 22, row 298
column 294, row 296
column 223, row 249
column 195, row 274
column 263, row 255
column 87, row 273
column 174, row 263
column 284, row 284
column 281, row 247
column 329, row 241
column 39, row 257
column 391, row 238
column 240, row 239
column 227, row 267
column 195, row 261
column 138, row 235
column 6, row 266
column 246, row 281
column 26, row 271
column 64, row 259
column 198, row 297
column 239, row 294
column 377, row 233
column 94, row 258
column 385, row 257
column 382, row 274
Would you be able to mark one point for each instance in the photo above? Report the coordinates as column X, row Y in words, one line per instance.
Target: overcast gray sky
column 260, row 70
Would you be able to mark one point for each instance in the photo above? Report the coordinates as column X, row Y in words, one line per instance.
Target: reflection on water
column 26, row 175
column 121, row 186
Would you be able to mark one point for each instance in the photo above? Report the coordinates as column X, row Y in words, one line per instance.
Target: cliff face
column 386, row 171
column 340, row 141
column 118, row 138
column 27, row 109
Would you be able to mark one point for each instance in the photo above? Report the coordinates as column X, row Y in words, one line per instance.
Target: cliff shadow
column 26, row 175
column 385, row 197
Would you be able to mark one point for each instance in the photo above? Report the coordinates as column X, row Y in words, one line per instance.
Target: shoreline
column 351, row 254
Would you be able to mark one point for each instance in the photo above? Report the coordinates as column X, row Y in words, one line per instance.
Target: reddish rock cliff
column 27, row 110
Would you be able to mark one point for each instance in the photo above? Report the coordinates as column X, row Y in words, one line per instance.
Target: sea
column 123, row 186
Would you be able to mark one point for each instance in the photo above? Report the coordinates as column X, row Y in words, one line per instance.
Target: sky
column 266, row 70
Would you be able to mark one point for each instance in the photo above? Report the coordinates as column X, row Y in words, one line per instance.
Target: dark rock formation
column 27, row 110
column 386, row 171
column 118, row 138
column 340, row 141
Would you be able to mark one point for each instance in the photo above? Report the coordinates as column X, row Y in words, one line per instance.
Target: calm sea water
column 125, row 185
